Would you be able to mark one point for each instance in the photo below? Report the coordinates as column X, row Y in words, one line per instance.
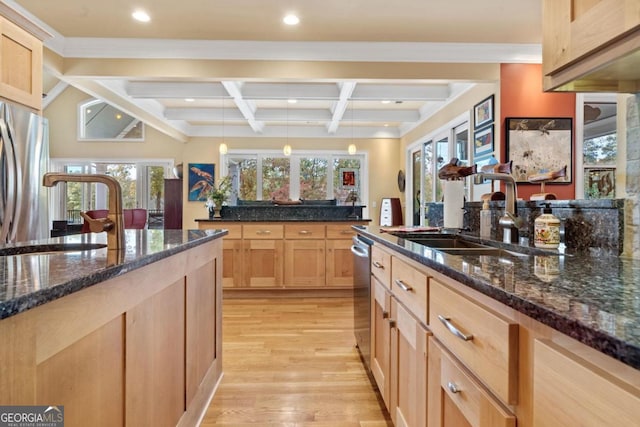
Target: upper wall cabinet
column 20, row 65
column 591, row 45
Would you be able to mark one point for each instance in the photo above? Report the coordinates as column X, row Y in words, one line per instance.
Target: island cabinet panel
column 570, row 391
column 84, row 374
column 381, row 338
column 20, row 65
column 155, row 359
column 18, row 359
column 201, row 317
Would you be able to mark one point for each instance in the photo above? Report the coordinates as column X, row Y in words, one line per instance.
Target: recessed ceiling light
column 189, row 99
column 386, row 125
column 386, row 101
column 141, row 15
column 291, row 19
column 292, row 101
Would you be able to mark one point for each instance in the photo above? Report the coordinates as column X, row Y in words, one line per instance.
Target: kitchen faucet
column 510, row 221
column 113, row 224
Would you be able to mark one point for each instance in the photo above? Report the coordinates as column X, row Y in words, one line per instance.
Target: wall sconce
column 287, row 150
column 223, row 148
column 352, row 149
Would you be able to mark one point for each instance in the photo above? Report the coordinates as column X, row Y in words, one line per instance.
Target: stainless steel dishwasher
column 361, row 249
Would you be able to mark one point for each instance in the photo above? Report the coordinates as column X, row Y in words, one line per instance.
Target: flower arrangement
column 220, row 193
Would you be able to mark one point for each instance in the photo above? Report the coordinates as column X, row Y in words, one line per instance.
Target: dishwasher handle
column 360, row 248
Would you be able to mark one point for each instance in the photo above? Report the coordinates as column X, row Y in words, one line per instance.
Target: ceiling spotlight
column 141, row 16
column 386, row 101
column 291, row 19
column 189, row 100
column 292, row 101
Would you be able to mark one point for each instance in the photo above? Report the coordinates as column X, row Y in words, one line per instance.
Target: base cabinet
column 304, row 263
column 456, row 398
column 381, row 338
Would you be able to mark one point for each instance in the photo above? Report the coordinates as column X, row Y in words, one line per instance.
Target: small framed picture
column 349, row 178
column 483, row 112
column 483, row 141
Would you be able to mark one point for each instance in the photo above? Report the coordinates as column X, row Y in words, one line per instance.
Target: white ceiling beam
column 53, row 93
column 299, row 91
column 247, row 110
column 203, row 114
column 427, row 92
column 346, row 89
column 166, row 89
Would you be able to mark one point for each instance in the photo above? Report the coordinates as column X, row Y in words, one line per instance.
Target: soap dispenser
column 547, row 230
column 485, row 221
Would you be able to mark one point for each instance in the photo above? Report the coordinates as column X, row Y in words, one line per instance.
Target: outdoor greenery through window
column 303, row 176
column 599, row 167
column 142, row 187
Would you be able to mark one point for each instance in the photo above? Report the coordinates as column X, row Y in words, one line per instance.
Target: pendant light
column 287, row 148
column 352, row 147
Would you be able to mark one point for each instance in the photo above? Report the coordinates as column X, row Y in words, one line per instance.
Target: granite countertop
column 592, row 297
column 29, row 280
column 349, row 220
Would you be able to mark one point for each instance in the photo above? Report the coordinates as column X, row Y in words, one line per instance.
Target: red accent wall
column 521, row 95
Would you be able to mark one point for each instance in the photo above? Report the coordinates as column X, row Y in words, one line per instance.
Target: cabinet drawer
column 381, row 266
column 486, row 342
column 475, row 403
column 235, row 230
column 410, row 287
column 563, row 380
column 304, row 231
column 262, row 231
column 340, row 231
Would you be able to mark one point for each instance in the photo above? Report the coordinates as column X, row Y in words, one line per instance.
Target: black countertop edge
column 348, row 220
column 48, row 294
column 598, row 340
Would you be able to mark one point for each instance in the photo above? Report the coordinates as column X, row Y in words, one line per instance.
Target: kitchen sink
column 51, row 248
column 447, row 243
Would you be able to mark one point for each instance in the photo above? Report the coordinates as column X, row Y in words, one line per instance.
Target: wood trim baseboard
column 286, row 293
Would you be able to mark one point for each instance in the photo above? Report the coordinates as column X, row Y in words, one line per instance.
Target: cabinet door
column 20, row 65
column 304, row 263
column 231, row 263
column 456, row 398
column 339, row 263
column 263, row 263
column 408, row 369
column 569, row 391
column 381, row 337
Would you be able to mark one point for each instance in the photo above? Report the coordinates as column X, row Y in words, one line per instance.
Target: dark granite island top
column 30, row 280
column 591, row 297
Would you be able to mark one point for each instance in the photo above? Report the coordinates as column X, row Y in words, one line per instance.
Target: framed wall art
column 483, row 112
column 483, row 141
column 349, row 178
column 538, row 146
column 200, row 180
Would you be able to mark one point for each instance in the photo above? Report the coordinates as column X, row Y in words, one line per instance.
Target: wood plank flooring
column 292, row 362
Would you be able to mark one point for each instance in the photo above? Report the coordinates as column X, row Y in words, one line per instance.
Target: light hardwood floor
column 292, row 362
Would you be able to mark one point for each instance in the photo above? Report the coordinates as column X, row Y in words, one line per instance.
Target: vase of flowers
column 217, row 195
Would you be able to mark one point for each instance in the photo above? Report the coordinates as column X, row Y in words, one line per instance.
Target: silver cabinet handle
column 376, row 264
column 453, row 388
column 263, row 232
column 305, row 232
column 455, row 331
column 403, row 285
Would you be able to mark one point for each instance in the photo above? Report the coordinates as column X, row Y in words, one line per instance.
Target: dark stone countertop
column 29, row 280
column 348, row 220
column 592, row 297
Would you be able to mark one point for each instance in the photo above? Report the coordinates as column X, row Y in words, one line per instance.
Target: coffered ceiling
column 204, row 67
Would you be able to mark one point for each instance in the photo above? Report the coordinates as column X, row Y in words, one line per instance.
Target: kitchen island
column 127, row 338
column 540, row 337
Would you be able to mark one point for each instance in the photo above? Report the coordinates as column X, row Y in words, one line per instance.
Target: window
column 142, row 186
column 599, row 149
column 101, row 121
column 307, row 176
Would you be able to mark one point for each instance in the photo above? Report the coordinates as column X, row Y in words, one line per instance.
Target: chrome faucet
column 510, row 221
column 113, row 224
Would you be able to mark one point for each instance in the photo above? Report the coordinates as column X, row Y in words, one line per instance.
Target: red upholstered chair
column 98, row 213
column 135, row 218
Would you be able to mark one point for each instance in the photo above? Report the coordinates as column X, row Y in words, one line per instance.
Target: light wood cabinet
column 571, row 391
column 143, row 348
column 20, row 65
column 286, row 255
column 591, row 45
column 408, row 377
column 381, row 338
column 457, row 399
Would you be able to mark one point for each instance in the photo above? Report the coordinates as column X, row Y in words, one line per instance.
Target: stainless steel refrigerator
column 24, row 158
